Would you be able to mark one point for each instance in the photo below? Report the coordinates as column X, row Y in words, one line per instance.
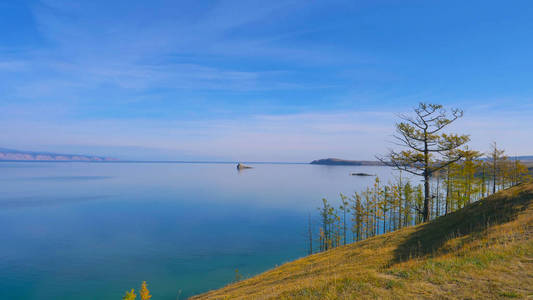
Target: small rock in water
column 361, row 174
column 241, row 166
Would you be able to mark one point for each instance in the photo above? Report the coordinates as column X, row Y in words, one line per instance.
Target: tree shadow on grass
column 473, row 219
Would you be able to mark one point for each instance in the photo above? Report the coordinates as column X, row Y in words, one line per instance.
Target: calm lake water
column 94, row 230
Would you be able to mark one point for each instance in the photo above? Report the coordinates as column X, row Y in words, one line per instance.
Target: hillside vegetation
column 483, row 251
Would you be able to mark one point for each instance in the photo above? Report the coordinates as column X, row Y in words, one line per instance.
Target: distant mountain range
column 17, row 155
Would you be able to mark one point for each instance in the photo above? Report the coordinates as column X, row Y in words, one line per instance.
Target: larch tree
column 130, row 295
column 496, row 156
column 470, row 166
column 345, row 208
column 425, row 144
column 408, row 203
column 144, row 292
column 484, row 186
column 357, row 217
column 521, row 173
column 326, row 212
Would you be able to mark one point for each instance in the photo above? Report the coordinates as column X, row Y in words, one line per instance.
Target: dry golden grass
column 483, row 251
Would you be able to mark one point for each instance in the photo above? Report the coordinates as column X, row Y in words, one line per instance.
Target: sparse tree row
column 144, row 293
column 452, row 176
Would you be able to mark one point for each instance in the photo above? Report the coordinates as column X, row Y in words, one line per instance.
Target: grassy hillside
column 483, row 251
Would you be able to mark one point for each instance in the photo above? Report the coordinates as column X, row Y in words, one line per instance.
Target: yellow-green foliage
column 130, row 295
column 483, row 251
column 144, row 292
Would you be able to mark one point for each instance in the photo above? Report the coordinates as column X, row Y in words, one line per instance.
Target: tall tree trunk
column 344, row 223
column 438, row 185
column 425, row 213
column 426, row 178
column 494, row 174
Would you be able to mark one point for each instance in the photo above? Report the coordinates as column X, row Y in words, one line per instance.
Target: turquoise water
column 94, row 230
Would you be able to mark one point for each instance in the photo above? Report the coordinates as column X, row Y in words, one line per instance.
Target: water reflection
column 86, row 231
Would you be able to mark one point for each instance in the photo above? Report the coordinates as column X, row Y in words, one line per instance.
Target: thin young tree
column 484, row 186
column 384, row 207
column 357, row 217
column 345, row 208
column 496, row 156
column 425, row 144
column 368, row 212
column 470, row 166
column 521, row 172
column 337, row 228
column 326, row 212
column 144, row 292
column 419, row 203
column 437, row 193
column 130, row 295
column 408, row 203
column 399, row 187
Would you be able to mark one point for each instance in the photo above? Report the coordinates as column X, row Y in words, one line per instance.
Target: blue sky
column 258, row 80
